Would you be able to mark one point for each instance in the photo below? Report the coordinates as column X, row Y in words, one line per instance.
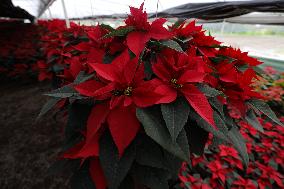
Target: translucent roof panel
column 84, row 8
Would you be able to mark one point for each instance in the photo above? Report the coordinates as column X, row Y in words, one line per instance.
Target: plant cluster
column 141, row 99
column 271, row 86
column 220, row 166
column 19, row 48
column 58, row 48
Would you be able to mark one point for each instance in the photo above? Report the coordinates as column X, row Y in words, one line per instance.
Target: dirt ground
column 27, row 147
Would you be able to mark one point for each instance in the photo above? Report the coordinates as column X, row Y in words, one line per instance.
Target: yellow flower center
column 128, row 91
column 175, row 84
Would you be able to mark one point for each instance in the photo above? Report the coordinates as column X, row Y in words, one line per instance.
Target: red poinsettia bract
column 176, row 78
column 121, row 89
column 143, row 30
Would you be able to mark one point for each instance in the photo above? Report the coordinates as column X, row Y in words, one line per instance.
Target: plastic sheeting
column 221, row 10
column 207, row 12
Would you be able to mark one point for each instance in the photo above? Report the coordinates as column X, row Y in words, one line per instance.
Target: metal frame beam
column 46, row 5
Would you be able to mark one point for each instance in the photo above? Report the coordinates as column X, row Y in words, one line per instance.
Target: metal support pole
column 223, row 26
column 67, row 21
column 49, row 12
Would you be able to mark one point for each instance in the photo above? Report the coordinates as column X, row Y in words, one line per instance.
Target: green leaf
column 234, row 137
column 197, row 138
column 52, row 59
column 148, row 69
column 220, row 123
column 155, row 128
column 77, row 120
column 178, row 23
column 258, row 70
column 183, row 142
column 173, row 164
column 57, row 68
column 152, row 177
column 172, row 45
column 252, row 120
column 82, row 77
column 108, row 58
column 115, row 168
column 119, row 32
column 107, row 27
column 82, row 179
column 175, row 115
column 83, row 38
column 149, row 153
column 218, row 59
column 208, row 91
column 265, row 109
column 63, row 92
column 47, row 106
column 239, row 143
column 127, row 183
column 243, row 68
column 217, row 105
column 273, row 164
column 216, row 142
column 206, row 126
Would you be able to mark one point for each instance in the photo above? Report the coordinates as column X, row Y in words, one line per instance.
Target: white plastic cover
column 84, row 8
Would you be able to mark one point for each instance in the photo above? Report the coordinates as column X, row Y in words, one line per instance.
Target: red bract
column 243, row 184
column 143, row 31
column 239, row 57
column 44, row 73
column 194, row 183
column 239, row 89
column 176, row 79
column 227, row 151
column 195, row 36
column 218, row 171
column 123, row 85
column 185, row 31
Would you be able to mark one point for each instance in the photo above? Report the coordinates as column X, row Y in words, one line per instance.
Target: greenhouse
column 142, row 94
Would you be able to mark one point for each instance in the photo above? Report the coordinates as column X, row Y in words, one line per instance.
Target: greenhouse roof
column 214, row 10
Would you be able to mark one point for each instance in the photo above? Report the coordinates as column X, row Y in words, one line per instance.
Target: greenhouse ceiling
column 85, row 8
column 206, row 10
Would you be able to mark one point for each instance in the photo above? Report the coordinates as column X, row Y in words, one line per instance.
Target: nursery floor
column 27, row 148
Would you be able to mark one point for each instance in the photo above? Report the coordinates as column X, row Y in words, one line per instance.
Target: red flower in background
column 43, row 71
column 194, row 183
column 218, row 171
column 242, row 183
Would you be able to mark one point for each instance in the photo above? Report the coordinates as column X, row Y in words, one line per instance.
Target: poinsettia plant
column 141, row 99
